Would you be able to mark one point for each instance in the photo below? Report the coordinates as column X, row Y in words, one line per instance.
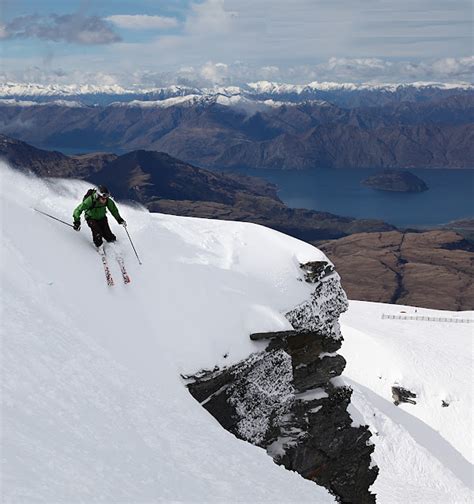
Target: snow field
column 424, row 451
column 93, row 406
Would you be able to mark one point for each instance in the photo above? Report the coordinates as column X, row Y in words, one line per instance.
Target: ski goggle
column 103, row 195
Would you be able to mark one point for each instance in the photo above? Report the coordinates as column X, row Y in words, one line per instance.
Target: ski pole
column 139, row 262
column 55, row 218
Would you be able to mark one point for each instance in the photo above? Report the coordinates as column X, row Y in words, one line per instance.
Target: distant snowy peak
column 266, row 87
column 89, row 94
column 235, row 101
column 262, row 93
column 191, row 99
column 18, row 102
column 12, row 89
column 21, row 89
column 32, row 89
column 239, row 101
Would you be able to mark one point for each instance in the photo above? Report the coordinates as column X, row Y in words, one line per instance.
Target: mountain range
column 266, row 126
column 345, row 94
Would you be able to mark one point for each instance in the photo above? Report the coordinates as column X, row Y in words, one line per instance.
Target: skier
column 95, row 205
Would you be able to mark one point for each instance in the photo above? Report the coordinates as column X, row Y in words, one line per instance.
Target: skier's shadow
column 423, row 434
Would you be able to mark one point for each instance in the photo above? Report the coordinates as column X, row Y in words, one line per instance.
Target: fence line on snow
column 428, row 319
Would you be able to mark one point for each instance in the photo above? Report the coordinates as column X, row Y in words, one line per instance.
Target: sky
column 230, row 42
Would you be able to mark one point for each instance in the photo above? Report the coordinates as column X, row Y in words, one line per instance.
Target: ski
column 108, row 275
column 125, row 276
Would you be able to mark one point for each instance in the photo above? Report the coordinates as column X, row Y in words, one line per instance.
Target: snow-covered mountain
column 261, row 87
column 280, row 93
column 258, row 87
column 93, row 404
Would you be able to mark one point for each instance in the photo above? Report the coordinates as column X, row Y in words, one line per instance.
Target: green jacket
column 95, row 210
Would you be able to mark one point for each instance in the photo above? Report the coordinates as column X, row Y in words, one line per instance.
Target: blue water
column 450, row 195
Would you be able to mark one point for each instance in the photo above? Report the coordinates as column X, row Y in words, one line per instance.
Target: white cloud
column 454, row 66
column 277, row 36
column 215, row 73
column 357, row 63
column 270, row 72
column 381, row 70
column 210, row 18
column 357, row 70
column 142, row 21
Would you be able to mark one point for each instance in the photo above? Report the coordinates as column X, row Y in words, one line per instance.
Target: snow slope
column 424, row 451
column 93, row 406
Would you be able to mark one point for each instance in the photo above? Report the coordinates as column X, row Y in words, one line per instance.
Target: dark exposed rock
column 315, row 374
column 401, row 394
column 285, row 400
column 316, row 270
column 335, row 454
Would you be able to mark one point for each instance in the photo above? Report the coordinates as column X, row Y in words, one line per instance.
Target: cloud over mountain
column 210, row 73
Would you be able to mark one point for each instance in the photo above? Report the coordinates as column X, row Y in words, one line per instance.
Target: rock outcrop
column 402, row 395
column 287, row 399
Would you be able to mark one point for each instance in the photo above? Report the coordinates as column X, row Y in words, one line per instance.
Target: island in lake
column 395, row 180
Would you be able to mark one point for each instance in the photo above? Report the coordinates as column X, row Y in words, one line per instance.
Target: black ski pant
column 100, row 229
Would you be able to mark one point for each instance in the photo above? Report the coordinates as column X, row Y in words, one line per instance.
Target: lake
column 450, row 195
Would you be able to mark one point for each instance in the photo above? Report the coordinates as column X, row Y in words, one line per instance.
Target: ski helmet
column 103, row 192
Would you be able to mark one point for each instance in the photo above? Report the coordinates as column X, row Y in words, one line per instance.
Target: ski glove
column 77, row 225
column 123, row 223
